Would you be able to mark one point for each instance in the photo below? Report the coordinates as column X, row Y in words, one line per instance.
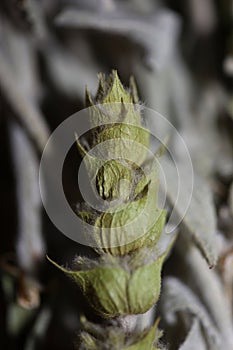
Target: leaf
column 199, row 222
column 204, row 281
column 177, row 297
column 30, row 245
column 156, row 33
column 67, row 70
column 18, row 82
column 194, row 338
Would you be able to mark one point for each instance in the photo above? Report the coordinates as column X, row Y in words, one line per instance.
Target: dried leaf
column 177, row 297
column 22, row 92
column 207, row 280
column 157, row 33
column 68, row 72
column 199, row 222
column 195, row 339
column 30, row 246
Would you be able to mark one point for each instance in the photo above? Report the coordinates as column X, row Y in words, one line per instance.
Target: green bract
column 115, row 116
column 113, row 243
column 93, row 337
column 115, row 170
column 135, row 224
column 114, row 291
column 112, row 93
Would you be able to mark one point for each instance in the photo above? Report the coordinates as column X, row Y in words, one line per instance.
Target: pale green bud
column 106, row 175
column 113, row 104
column 111, row 92
column 113, row 180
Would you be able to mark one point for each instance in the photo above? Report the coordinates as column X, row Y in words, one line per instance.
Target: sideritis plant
column 125, row 279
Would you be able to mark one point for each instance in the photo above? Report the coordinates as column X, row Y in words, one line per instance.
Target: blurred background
column 181, row 54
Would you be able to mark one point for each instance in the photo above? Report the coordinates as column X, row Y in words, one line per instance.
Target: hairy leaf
column 199, row 222
column 179, row 298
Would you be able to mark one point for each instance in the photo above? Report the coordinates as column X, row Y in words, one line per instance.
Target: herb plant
column 125, row 279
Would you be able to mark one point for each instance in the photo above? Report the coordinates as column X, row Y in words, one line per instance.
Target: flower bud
column 114, row 115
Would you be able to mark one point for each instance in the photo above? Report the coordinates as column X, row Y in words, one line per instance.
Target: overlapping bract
column 135, row 224
column 93, row 338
